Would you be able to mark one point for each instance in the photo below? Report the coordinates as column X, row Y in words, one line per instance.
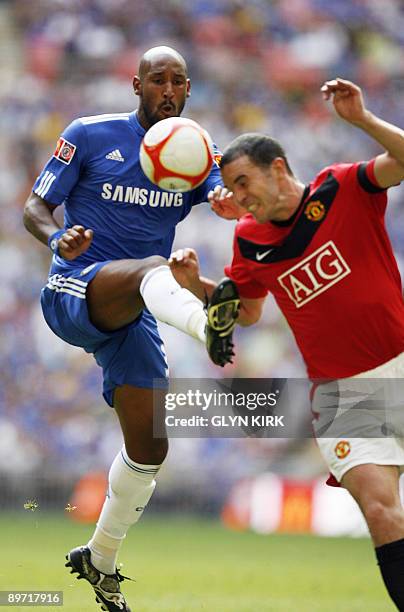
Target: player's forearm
column 244, row 318
column 38, row 219
column 388, row 135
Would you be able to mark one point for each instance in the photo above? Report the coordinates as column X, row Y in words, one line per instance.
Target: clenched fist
column 74, row 242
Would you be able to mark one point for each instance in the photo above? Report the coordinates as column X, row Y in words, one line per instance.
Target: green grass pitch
column 189, row 565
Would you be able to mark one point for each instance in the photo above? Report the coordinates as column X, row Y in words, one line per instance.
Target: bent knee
column 149, row 263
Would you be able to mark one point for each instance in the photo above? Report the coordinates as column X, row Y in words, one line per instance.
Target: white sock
column 172, row 304
column 131, row 485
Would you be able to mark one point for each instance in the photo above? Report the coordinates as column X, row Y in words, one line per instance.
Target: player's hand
column 74, row 242
column 223, row 203
column 184, row 265
column 347, row 99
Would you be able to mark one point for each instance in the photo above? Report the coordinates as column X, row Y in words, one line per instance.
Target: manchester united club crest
column 342, row 449
column 315, row 211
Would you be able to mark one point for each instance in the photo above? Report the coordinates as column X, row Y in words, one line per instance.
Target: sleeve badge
column 64, row 151
column 217, row 157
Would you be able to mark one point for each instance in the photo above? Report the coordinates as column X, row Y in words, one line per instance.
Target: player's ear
column 279, row 165
column 137, row 85
column 188, row 88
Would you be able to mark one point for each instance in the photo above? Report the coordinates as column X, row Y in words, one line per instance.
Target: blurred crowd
column 255, row 66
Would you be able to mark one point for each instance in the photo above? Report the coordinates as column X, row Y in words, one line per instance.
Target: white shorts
column 348, row 435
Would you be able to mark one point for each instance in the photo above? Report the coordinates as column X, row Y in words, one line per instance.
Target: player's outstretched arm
column 348, row 102
column 39, row 221
column 184, row 265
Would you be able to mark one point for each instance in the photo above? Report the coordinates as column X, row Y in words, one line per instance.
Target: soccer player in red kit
column 323, row 251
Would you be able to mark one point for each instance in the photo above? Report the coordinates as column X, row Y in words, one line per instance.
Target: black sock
column 390, row 557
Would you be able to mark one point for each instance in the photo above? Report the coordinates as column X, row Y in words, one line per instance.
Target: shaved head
column 151, row 56
column 162, row 85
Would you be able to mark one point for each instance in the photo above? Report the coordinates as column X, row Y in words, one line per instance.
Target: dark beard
column 153, row 118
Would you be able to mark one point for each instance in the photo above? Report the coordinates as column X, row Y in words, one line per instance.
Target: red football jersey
column 332, row 271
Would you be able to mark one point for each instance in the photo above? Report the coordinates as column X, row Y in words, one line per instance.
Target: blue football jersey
column 95, row 172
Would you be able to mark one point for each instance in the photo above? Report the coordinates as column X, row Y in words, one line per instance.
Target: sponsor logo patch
column 136, row 195
column 314, row 274
column 64, row 151
column 315, row 211
column 217, row 159
column 342, row 449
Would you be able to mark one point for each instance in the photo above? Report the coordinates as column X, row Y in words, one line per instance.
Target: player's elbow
column 36, row 211
column 28, row 214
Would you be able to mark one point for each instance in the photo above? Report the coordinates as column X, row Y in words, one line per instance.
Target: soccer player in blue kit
column 110, row 263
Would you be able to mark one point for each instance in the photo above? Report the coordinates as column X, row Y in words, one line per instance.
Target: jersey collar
column 291, row 219
column 134, row 122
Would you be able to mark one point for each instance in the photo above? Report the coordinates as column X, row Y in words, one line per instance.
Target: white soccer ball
column 176, row 154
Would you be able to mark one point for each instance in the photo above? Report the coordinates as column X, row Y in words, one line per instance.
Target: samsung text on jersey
column 141, row 196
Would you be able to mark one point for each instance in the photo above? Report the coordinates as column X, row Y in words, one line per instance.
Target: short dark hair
column 261, row 149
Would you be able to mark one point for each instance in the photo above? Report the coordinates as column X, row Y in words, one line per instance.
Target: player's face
column 162, row 91
column 257, row 189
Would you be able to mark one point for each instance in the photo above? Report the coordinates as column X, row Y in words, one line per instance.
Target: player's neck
column 290, row 198
column 296, row 193
column 141, row 117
